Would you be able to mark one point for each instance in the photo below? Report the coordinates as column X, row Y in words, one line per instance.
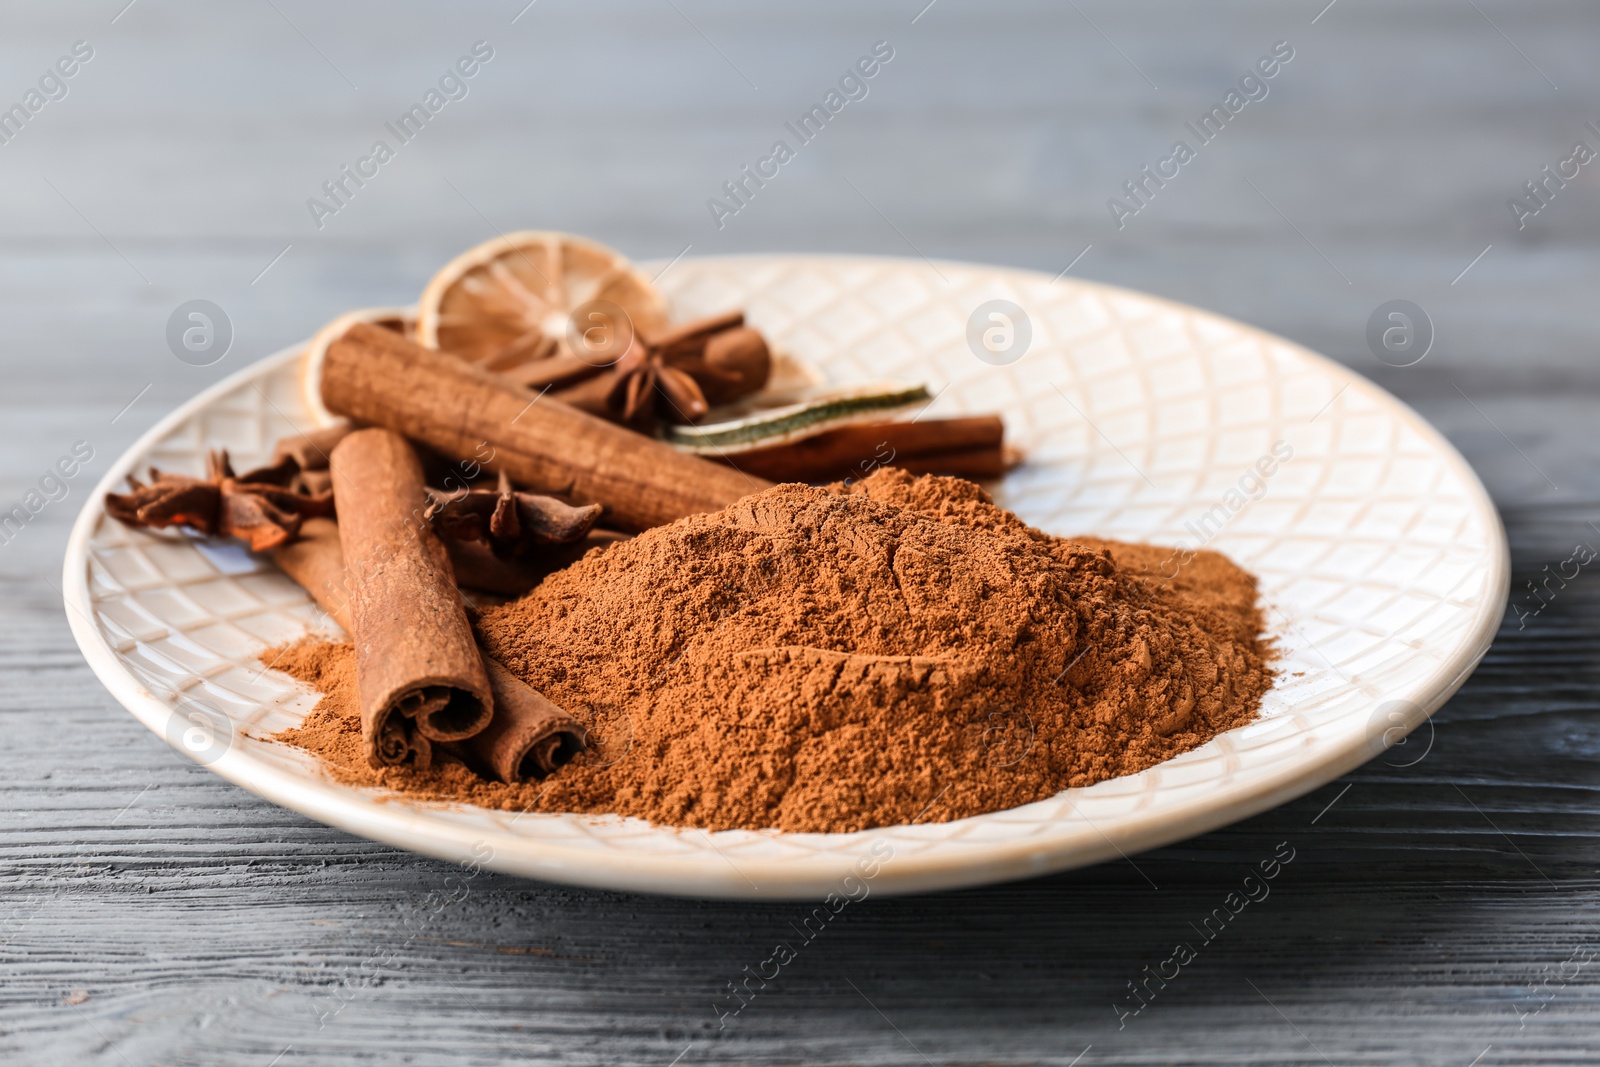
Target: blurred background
column 160, row 915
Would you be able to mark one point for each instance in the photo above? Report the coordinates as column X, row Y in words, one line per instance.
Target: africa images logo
column 52, row 86
column 852, row 87
column 1252, row 86
column 452, row 85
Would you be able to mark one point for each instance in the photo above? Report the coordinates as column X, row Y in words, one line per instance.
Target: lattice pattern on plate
column 1377, row 549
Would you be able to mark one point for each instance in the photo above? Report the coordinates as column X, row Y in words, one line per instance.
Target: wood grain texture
column 1441, row 913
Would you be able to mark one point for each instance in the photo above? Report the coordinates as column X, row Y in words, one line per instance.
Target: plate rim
column 411, row 825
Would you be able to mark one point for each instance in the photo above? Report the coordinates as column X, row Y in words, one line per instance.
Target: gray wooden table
column 1442, row 913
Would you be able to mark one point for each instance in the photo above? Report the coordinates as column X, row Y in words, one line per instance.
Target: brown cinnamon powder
column 809, row 659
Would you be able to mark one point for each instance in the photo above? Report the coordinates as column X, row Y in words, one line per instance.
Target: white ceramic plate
column 1381, row 556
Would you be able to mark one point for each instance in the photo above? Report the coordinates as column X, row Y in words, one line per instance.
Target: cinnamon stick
column 976, row 463
column 316, row 562
column 972, row 447
column 556, row 372
column 418, row 670
column 377, row 377
column 528, row 736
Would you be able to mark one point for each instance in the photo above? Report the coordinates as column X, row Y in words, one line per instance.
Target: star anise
column 685, row 371
column 263, row 507
column 677, row 375
column 509, row 521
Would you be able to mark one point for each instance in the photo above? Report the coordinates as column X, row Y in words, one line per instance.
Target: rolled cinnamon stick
column 557, row 372
column 971, row 446
column 316, row 562
column 528, row 737
column 967, row 463
column 374, row 376
column 418, row 670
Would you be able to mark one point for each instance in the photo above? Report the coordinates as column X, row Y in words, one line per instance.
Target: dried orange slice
column 510, row 302
column 401, row 320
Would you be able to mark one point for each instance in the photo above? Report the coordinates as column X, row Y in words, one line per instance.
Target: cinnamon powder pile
column 831, row 659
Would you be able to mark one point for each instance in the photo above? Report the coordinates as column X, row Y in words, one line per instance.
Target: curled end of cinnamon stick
column 549, row 753
column 443, row 712
column 529, row 737
column 398, row 743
